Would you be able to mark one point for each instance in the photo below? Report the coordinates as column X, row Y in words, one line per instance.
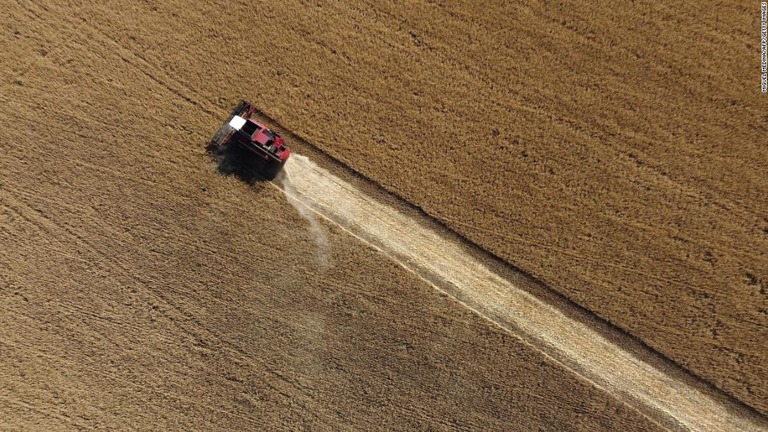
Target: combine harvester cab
column 267, row 147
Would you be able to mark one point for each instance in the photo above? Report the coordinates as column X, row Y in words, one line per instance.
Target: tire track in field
column 433, row 253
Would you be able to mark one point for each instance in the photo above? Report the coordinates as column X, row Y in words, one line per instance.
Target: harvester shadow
column 235, row 161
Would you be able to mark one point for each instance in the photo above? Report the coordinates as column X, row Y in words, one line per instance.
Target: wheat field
column 616, row 154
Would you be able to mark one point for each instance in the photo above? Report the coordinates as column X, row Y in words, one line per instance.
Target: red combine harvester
column 267, row 146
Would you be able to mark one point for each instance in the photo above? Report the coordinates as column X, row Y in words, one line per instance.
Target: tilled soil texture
column 615, row 152
column 142, row 289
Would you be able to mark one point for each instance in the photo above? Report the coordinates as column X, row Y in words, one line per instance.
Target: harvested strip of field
column 436, row 255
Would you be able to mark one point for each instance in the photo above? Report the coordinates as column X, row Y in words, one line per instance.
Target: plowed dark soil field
column 615, row 153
